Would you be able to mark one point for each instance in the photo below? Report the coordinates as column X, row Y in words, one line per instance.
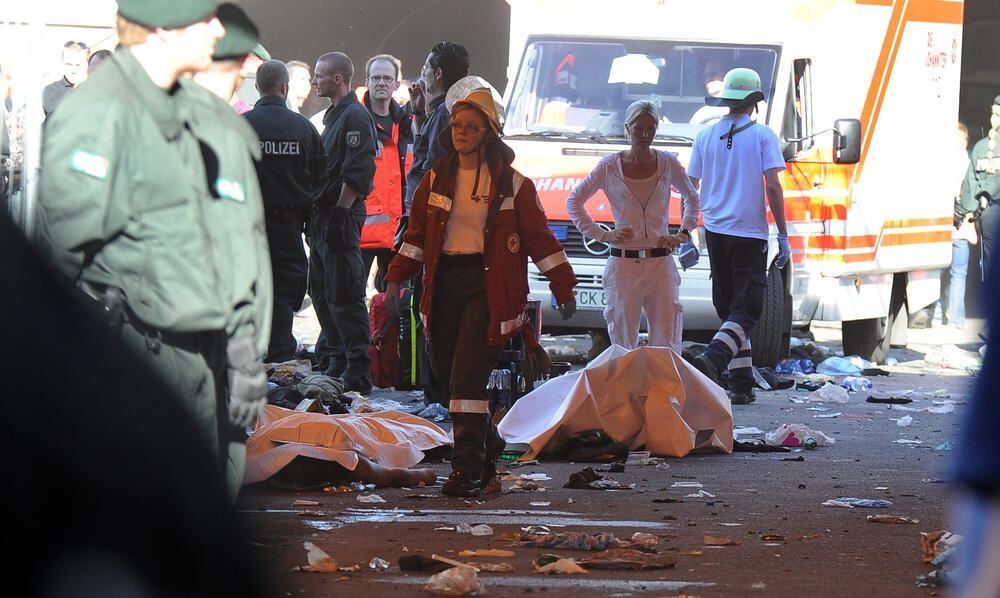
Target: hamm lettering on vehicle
column 556, row 183
column 279, row 148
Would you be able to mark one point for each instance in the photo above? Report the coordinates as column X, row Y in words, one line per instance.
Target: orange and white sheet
column 389, row 438
column 648, row 397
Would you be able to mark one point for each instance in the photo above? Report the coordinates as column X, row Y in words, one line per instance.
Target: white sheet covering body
column 389, row 438
column 646, row 397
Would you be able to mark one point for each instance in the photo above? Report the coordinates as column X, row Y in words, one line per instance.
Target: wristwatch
column 687, row 235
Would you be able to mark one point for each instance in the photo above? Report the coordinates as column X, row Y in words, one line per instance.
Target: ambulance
column 863, row 95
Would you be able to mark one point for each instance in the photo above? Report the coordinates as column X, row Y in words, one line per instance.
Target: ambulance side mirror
column 846, row 141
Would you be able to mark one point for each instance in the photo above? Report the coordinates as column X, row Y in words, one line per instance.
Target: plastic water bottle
column 838, row 366
column 856, row 383
column 809, row 443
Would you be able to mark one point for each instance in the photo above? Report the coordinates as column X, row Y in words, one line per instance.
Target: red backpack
column 384, row 350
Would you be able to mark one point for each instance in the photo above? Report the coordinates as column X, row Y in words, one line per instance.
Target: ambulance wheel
column 872, row 338
column 770, row 337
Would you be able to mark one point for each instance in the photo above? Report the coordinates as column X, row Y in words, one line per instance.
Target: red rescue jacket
column 385, row 203
column 516, row 227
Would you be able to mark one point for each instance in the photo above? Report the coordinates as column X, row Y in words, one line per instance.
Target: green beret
column 261, row 52
column 174, row 14
column 241, row 34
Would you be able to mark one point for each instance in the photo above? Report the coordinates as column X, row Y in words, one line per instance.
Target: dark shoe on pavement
column 363, row 387
column 461, row 484
column 705, row 366
column 742, row 397
column 494, row 447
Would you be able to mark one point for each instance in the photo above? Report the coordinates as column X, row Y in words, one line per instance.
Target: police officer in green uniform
column 124, row 212
column 981, row 188
column 235, row 208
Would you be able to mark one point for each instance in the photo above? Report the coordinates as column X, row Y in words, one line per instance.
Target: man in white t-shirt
column 736, row 162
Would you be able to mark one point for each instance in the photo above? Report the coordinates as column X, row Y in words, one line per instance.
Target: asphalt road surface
column 784, row 541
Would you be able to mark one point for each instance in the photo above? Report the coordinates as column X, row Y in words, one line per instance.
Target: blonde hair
column 131, row 33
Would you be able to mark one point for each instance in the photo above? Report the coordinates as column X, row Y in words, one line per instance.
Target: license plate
column 591, row 299
column 559, row 231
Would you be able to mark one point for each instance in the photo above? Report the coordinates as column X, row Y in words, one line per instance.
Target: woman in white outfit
column 640, row 274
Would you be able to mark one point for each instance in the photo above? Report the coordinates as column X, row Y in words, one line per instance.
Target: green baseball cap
column 261, row 52
column 241, row 34
column 175, row 14
column 740, row 87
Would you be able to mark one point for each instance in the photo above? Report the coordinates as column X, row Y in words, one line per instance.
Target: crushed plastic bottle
column 838, row 366
column 435, row 412
column 829, row 393
column 457, row 581
column 795, row 366
column 851, row 502
column 857, row 384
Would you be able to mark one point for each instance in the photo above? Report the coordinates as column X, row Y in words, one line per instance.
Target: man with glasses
column 336, row 274
column 394, row 128
column 74, row 72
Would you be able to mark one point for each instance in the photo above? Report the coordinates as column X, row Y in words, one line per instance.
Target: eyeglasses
column 470, row 128
column 384, row 79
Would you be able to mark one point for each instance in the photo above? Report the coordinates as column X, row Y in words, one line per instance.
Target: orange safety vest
column 385, row 202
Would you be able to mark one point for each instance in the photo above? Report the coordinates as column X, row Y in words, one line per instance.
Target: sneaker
column 742, row 397
column 705, row 366
column 460, row 484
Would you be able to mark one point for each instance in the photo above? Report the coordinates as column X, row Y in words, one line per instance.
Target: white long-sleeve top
column 648, row 223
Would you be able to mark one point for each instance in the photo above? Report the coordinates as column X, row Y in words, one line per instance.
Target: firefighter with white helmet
column 473, row 224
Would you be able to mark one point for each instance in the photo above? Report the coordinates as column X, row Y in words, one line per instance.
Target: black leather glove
column 336, row 227
column 567, row 309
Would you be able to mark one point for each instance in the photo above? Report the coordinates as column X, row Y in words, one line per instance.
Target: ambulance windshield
column 578, row 90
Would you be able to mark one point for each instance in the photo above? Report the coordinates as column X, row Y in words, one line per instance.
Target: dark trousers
column 337, row 287
column 739, row 279
column 290, row 272
column 382, row 257
column 989, row 220
column 434, row 392
column 463, row 359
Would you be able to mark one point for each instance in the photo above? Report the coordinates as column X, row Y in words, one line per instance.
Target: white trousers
column 636, row 285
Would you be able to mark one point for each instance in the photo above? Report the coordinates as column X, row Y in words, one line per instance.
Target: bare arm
column 776, row 199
